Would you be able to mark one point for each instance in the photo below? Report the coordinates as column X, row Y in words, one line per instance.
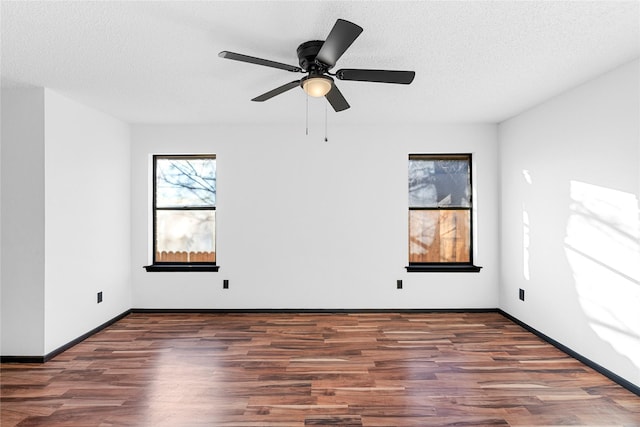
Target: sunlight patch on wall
column 602, row 246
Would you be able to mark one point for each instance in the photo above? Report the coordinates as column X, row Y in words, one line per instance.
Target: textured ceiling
column 156, row 62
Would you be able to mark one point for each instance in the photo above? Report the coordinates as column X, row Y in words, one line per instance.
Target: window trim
column 447, row 267
column 182, row 267
column 173, row 266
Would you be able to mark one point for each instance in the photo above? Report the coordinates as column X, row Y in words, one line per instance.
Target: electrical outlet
column 225, row 284
column 399, row 284
column 99, row 297
column 521, row 294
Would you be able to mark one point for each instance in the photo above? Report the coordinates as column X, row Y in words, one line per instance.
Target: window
column 184, row 213
column 440, row 213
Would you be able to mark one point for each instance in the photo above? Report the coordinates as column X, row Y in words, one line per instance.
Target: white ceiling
column 156, row 62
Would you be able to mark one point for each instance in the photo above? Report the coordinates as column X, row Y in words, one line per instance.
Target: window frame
column 176, row 265
column 464, row 267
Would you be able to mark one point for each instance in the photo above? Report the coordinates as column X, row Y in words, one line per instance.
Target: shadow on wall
column 602, row 246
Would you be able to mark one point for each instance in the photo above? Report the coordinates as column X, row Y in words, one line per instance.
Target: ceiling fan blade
column 379, row 76
column 336, row 99
column 258, row 61
column 277, row 91
column 342, row 35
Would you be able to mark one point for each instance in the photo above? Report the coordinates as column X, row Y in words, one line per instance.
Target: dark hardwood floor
column 432, row 369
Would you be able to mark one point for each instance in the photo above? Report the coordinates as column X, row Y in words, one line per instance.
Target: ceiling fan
column 316, row 58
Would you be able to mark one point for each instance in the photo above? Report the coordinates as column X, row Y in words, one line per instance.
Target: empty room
column 355, row 213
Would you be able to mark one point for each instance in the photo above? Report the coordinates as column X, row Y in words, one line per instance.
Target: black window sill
column 442, row 268
column 181, row 267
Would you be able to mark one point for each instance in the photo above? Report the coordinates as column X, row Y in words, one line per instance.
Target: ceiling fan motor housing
column 307, row 53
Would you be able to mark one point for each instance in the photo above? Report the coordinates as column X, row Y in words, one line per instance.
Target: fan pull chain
column 325, row 122
column 307, row 118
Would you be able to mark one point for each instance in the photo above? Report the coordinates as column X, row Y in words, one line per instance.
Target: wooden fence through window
column 170, row 256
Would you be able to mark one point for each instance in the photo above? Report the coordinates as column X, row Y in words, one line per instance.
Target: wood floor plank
column 306, row 369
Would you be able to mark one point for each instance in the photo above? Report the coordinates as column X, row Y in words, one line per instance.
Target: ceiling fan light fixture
column 317, row 86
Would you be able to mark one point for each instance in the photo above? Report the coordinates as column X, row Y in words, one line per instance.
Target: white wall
column 87, row 222
column 22, row 280
column 65, row 220
column 570, row 233
column 304, row 223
